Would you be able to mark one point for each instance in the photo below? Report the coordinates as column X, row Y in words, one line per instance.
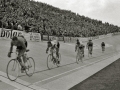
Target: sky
column 104, row 10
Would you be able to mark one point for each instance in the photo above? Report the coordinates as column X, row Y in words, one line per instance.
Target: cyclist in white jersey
column 54, row 46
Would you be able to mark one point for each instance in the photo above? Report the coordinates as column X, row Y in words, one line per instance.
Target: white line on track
column 19, row 84
column 71, row 70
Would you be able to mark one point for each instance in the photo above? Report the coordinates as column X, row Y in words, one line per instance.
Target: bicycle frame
column 17, row 58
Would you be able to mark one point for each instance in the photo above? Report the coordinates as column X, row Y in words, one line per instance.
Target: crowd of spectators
column 40, row 17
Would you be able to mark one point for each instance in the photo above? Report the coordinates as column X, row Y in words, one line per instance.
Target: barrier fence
column 7, row 34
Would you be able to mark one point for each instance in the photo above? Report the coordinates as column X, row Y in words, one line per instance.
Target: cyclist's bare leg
column 103, row 49
column 51, row 52
column 57, row 55
column 57, row 52
column 81, row 56
column 78, row 54
column 83, row 52
column 23, row 60
column 88, row 51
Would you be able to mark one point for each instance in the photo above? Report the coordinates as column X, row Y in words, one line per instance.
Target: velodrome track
column 42, row 75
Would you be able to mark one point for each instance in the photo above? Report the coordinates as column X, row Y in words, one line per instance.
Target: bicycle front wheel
column 50, row 62
column 30, row 68
column 13, row 69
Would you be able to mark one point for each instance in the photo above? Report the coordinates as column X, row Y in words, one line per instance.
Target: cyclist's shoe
column 58, row 62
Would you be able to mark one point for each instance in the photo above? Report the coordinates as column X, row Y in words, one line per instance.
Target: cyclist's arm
column 11, row 47
column 47, row 48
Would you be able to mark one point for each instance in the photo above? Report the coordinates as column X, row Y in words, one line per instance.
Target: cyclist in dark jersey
column 21, row 45
column 79, row 47
column 53, row 45
column 103, row 46
column 90, row 46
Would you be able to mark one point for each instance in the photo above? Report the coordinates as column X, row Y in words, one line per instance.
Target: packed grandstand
column 45, row 19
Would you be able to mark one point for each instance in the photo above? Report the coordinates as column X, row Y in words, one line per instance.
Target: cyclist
column 53, row 45
column 103, row 46
column 79, row 47
column 21, row 45
column 90, row 47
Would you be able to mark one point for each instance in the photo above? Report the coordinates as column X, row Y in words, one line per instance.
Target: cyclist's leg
column 81, row 55
column 23, row 60
column 83, row 52
column 57, row 55
column 78, row 54
column 91, row 50
column 22, row 51
column 20, row 60
column 103, row 48
column 88, row 51
column 57, row 52
column 51, row 52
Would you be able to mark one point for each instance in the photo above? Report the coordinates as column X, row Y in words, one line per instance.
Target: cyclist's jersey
column 21, row 43
column 22, row 37
column 102, row 44
column 80, row 48
column 90, row 44
column 55, row 44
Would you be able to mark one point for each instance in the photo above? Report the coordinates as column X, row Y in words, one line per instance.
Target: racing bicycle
column 79, row 57
column 14, row 67
column 53, row 60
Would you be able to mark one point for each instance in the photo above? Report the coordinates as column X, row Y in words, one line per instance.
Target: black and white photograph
column 59, row 45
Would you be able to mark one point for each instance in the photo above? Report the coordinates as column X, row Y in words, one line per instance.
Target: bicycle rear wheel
column 30, row 68
column 50, row 62
column 58, row 63
column 13, row 69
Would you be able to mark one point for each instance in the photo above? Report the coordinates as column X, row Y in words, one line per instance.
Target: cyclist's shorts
column 20, row 47
column 81, row 48
column 90, row 45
